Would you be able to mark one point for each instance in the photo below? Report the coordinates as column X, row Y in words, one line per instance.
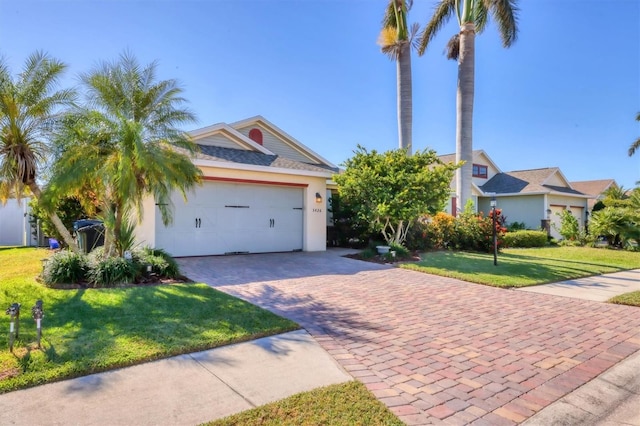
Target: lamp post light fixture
column 495, row 234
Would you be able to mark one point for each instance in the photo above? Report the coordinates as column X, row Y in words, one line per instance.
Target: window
column 256, row 135
column 479, row 171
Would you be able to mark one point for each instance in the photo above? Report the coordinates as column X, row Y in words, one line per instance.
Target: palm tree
column 28, row 105
column 395, row 40
column 124, row 145
column 472, row 18
column 636, row 144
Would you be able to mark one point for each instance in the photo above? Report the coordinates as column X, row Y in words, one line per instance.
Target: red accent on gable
column 255, row 135
column 259, row 182
column 454, row 207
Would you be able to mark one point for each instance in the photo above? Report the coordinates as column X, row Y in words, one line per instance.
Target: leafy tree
column 391, row 190
column 616, row 196
column 28, row 105
column 636, row 144
column 124, row 144
column 396, row 40
column 473, row 16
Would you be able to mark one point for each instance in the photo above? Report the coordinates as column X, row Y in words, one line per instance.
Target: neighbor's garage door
column 221, row 218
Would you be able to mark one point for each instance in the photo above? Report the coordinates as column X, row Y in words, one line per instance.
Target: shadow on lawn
column 88, row 331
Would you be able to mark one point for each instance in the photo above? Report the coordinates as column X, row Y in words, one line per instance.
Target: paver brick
column 422, row 341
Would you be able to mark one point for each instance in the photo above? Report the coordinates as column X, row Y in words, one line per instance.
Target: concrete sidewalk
column 613, row 398
column 184, row 390
column 598, row 288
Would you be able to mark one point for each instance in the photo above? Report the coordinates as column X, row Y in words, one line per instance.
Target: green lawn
column 86, row 331
column 525, row 267
column 631, row 299
column 344, row 404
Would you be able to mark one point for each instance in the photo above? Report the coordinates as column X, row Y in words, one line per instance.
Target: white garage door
column 223, row 218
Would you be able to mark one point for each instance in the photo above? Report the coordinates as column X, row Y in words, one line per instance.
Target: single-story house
column 534, row 197
column 262, row 191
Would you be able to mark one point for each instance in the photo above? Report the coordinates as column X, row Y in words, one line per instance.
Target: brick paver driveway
column 433, row 349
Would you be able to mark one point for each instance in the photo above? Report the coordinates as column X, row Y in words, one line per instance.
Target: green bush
column 112, row 271
column 162, row 264
column 516, row 226
column 522, row 239
column 401, row 251
column 65, row 267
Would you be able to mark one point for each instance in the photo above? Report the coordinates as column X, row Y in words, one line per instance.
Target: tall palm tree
column 636, row 144
column 124, row 144
column 395, row 41
column 472, row 18
column 28, row 105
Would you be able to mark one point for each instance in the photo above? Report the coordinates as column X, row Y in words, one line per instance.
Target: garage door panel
column 234, row 218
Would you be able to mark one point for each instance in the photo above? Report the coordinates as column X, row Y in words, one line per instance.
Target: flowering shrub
column 468, row 231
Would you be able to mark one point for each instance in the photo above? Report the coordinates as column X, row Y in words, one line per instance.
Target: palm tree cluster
column 117, row 146
column 473, row 16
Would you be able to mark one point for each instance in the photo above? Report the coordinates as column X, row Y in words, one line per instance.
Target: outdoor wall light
column 318, row 198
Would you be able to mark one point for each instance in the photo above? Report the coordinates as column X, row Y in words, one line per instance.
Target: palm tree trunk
column 405, row 101
column 55, row 219
column 464, row 116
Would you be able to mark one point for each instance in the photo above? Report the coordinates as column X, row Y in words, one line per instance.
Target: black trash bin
column 89, row 234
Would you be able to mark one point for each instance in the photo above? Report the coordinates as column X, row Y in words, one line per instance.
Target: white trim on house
column 254, row 168
column 521, row 194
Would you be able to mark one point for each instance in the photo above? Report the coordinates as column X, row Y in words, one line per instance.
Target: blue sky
column 565, row 94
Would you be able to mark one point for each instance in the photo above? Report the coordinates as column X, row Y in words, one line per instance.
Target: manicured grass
column 631, row 299
column 525, row 267
column 343, row 404
column 86, row 331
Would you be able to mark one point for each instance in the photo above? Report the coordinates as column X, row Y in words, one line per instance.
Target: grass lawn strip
column 87, row 331
column 343, row 404
column 631, row 299
column 526, row 267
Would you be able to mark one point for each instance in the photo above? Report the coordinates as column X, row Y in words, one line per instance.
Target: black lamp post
column 495, row 235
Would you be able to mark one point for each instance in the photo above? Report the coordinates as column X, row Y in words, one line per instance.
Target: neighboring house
column 262, row 191
column 595, row 189
column 15, row 229
column 534, row 197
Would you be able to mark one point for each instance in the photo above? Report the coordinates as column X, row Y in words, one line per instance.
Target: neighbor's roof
column 593, row 187
column 216, row 153
column 527, row 182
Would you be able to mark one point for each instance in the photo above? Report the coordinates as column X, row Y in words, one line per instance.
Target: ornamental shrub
column 111, row 271
column 65, row 267
column 162, row 264
column 522, row 239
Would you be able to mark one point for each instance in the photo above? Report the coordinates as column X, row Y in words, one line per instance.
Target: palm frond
column 481, row 14
column 443, row 12
column 634, row 147
column 505, row 14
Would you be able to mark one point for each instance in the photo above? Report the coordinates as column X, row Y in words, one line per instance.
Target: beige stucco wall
column 315, row 214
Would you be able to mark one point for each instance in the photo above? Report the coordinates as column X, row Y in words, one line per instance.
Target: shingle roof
column 217, row 153
column 593, row 187
column 525, row 181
